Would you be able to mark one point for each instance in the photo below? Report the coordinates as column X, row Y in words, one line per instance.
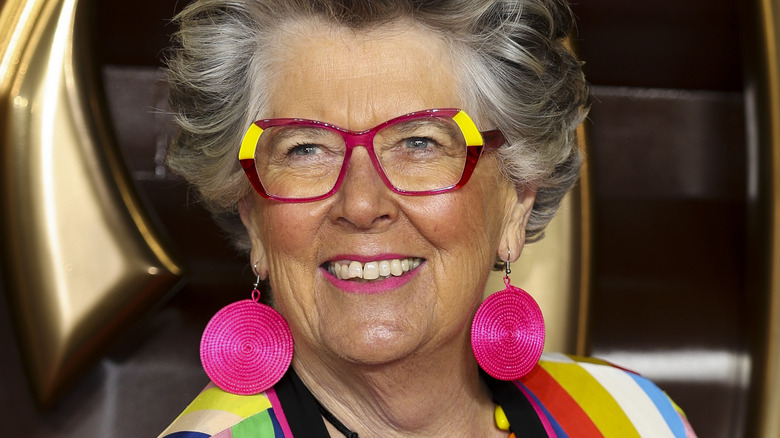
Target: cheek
column 291, row 244
column 289, row 231
column 465, row 241
column 290, row 241
column 465, row 220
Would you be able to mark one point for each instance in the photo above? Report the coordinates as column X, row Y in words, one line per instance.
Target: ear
column 249, row 217
column 518, row 211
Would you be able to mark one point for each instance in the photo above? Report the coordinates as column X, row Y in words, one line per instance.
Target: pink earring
column 507, row 334
column 247, row 346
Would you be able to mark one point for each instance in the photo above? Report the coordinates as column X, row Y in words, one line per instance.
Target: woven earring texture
column 246, row 347
column 507, row 334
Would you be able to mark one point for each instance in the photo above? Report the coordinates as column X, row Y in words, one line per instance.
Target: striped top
column 571, row 397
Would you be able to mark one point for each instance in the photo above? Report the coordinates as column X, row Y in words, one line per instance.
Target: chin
column 376, row 346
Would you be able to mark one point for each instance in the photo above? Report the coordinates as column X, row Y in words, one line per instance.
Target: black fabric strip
column 300, row 407
column 519, row 411
column 337, row 423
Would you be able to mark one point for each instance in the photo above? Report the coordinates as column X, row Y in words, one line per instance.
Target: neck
column 424, row 395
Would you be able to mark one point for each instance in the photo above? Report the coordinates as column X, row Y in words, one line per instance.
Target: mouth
column 378, row 270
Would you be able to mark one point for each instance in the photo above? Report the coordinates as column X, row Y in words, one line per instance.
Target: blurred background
column 680, row 263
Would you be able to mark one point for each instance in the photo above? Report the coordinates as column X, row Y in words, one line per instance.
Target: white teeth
column 373, row 270
column 384, row 268
column 395, row 267
column 355, row 270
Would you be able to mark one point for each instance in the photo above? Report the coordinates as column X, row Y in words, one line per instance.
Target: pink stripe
column 277, row 406
column 689, row 433
column 539, row 412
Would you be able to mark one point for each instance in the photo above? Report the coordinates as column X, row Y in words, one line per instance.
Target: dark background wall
column 669, row 170
column 667, row 156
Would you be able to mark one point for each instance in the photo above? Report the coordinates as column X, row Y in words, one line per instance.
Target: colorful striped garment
column 571, row 396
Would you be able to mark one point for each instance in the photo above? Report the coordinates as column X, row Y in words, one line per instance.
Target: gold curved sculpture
column 81, row 261
column 762, row 92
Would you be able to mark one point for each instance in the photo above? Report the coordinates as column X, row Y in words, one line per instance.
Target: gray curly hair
column 518, row 76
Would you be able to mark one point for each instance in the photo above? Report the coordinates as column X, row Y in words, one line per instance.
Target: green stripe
column 256, row 426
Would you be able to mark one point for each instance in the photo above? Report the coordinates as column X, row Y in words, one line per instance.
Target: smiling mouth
column 378, row 270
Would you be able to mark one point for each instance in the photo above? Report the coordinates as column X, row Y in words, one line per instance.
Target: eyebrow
column 410, row 125
column 287, row 132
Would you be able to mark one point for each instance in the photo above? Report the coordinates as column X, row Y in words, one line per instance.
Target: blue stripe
column 277, row 427
column 664, row 405
column 556, row 427
column 185, row 434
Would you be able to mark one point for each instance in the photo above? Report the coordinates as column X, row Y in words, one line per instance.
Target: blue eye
column 304, row 149
column 418, row 142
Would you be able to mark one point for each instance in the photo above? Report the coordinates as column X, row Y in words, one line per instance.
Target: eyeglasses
column 421, row 153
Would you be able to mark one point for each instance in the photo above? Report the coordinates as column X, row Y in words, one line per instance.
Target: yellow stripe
column 678, row 409
column 217, row 399
column 205, row 421
column 597, row 403
column 470, row 131
column 249, row 143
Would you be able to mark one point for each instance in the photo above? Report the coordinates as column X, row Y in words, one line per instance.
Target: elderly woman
column 376, row 159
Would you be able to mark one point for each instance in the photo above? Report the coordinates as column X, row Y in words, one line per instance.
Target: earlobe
column 518, row 212
column 257, row 254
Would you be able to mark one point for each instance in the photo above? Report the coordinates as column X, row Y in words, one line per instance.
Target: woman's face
column 356, row 81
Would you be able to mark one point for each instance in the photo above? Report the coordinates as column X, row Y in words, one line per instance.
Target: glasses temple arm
column 493, row 139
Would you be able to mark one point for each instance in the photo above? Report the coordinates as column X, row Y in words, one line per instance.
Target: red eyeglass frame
column 476, row 142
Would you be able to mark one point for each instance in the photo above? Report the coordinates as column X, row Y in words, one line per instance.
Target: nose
column 363, row 201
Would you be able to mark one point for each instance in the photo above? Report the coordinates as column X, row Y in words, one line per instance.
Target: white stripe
column 639, row 408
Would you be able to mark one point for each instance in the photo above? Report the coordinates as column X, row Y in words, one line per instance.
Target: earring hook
column 257, row 281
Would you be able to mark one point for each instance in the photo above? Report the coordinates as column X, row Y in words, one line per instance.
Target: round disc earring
column 246, row 346
column 507, row 334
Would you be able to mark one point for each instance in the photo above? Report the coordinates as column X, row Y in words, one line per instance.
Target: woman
column 376, row 208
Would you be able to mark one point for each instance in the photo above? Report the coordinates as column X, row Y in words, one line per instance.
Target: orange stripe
column 569, row 415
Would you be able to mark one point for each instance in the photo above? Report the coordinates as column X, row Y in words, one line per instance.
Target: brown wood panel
column 670, row 211
column 688, row 44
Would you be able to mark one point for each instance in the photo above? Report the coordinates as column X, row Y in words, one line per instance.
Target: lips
column 366, row 276
column 377, row 270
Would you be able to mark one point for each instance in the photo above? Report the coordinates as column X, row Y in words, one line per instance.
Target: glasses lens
column 299, row 161
column 422, row 154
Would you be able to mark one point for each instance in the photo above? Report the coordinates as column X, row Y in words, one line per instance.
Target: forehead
column 357, row 79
